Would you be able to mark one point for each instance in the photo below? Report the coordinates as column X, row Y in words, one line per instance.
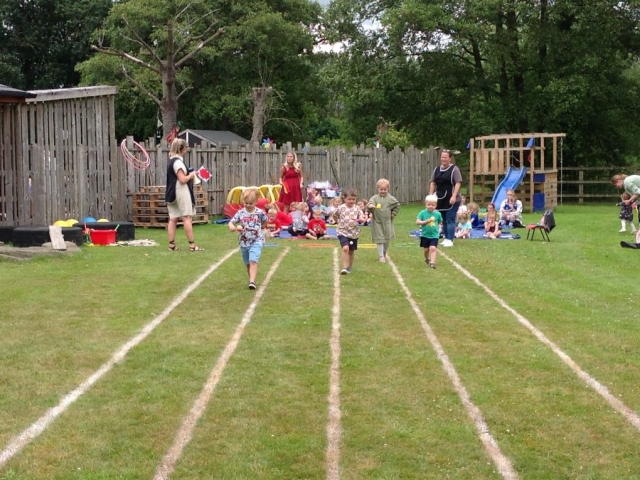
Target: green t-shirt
column 432, row 228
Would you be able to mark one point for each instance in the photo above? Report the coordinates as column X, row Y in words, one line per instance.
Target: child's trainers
column 432, row 265
column 349, row 270
column 252, row 286
column 344, row 271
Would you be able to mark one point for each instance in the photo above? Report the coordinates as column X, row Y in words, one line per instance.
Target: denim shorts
column 252, row 253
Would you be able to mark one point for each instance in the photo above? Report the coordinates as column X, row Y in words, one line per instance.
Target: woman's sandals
column 194, row 248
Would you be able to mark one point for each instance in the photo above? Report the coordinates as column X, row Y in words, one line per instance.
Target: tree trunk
column 260, row 96
column 169, row 103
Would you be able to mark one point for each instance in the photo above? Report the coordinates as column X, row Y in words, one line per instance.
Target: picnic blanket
column 478, row 232
column 331, row 233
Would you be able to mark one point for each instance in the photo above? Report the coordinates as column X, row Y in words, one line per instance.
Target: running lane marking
column 334, row 428
column 632, row 417
column 185, row 433
column 501, row 461
column 40, row 425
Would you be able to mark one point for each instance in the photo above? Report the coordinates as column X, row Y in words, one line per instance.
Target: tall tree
column 41, row 41
column 268, row 52
column 486, row 66
column 161, row 37
column 266, row 44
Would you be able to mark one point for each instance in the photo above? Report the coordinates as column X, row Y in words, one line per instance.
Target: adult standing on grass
column 631, row 185
column 292, row 180
column 445, row 183
column 179, row 196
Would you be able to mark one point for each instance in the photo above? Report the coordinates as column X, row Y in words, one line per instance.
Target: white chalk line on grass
column 501, row 461
column 185, row 432
column 39, row 426
column 632, row 417
column 334, row 428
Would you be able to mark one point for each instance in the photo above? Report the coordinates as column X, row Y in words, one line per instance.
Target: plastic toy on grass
column 234, row 201
column 234, row 198
column 103, row 237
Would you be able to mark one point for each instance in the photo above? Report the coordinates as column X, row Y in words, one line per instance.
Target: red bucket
column 102, row 237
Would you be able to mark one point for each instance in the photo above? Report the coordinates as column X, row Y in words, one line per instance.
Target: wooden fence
column 58, row 158
column 591, row 184
column 408, row 171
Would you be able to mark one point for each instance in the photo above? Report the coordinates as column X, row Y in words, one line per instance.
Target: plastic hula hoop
column 134, row 161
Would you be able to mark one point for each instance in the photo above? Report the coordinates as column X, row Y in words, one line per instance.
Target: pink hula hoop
column 134, row 161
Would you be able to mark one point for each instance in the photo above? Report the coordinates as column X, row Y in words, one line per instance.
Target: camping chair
column 547, row 223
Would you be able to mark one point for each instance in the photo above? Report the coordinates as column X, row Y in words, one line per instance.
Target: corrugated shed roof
column 6, row 91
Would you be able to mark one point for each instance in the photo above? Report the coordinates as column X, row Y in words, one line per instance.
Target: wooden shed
column 58, row 157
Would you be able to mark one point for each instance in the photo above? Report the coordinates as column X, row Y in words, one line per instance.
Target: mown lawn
column 401, row 417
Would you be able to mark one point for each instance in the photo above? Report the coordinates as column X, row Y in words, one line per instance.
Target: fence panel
column 237, row 165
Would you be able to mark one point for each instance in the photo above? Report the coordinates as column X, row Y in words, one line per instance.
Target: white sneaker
column 447, row 243
column 622, row 230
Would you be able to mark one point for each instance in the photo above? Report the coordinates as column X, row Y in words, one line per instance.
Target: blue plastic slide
column 509, row 182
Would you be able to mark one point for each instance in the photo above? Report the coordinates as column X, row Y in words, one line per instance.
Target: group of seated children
column 301, row 226
column 308, row 219
column 469, row 217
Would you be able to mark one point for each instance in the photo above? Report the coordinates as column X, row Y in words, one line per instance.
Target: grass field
column 514, row 359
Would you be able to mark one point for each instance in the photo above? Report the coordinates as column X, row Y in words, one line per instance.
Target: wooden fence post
column 581, row 186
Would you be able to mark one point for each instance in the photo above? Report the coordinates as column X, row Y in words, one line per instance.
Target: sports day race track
column 335, row 376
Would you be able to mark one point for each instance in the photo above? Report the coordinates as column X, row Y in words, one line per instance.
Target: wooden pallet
column 150, row 209
column 161, row 221
column 162, row 211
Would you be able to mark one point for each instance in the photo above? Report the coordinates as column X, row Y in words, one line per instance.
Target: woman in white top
column 511, row 210
column 179, row 195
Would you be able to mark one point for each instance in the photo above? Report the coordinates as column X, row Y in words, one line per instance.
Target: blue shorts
column 252, row 253
column 428, row 242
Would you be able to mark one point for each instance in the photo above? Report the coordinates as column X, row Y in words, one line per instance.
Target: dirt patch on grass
column 8, row 252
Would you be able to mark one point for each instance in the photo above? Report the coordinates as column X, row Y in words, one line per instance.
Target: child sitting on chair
column 626, row 214
column 491, row 227
column 474, row 214
column 463, row 228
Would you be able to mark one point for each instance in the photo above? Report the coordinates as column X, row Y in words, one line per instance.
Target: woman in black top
column 445, row 183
